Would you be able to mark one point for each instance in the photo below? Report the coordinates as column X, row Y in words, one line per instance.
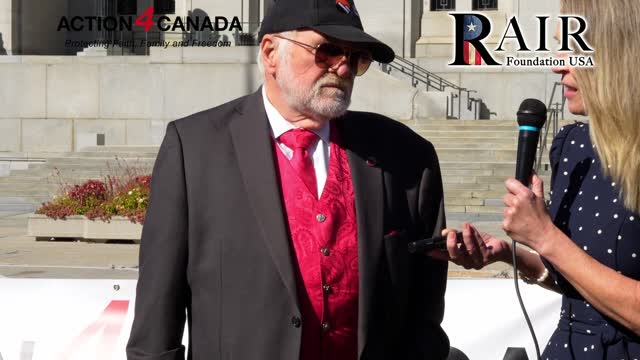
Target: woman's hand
column 475, row 251
column 526, row 219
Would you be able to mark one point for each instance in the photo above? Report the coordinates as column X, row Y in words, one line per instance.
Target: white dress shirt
column 319, row 151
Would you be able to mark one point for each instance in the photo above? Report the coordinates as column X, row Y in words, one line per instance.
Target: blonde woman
column 589, row 237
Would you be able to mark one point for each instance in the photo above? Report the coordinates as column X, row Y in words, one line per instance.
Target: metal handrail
column 419, row 73
column 554, row 111
column 432, row 81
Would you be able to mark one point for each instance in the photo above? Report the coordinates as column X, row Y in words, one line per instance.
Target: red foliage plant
column 124, row 192
column 92, row 189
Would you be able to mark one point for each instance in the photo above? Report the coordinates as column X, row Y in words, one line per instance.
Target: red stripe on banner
column 466, row 53
column 111, row 320
column 478, row 58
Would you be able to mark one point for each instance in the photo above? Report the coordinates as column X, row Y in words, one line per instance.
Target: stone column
column 6, row 17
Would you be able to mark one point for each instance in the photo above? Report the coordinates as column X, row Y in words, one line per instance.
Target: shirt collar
column 279, row 125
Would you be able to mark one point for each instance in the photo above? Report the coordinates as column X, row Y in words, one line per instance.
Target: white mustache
column 343, row 84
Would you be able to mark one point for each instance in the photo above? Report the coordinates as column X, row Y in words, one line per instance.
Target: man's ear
column 269, row 54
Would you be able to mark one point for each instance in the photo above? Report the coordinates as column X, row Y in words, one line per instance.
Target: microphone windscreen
column 532, row 112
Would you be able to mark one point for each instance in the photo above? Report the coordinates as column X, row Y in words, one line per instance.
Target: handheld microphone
column 531, row 117
column 424, row 245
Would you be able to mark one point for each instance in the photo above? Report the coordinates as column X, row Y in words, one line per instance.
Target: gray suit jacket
column 215, row 249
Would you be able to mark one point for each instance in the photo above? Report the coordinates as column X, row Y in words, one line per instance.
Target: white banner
column 483, row 317
column 44, row 319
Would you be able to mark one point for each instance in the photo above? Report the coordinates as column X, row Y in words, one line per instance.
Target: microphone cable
column 524, row 309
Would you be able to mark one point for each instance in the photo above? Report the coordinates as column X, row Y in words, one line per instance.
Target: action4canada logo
column 146, row 22
column 473, row 29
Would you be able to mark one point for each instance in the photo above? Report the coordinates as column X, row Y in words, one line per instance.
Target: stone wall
column 62, row 103
column 59, row 104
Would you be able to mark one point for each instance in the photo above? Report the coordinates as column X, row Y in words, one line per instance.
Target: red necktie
column 300, row 140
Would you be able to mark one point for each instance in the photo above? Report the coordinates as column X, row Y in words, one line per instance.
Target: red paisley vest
column 324, row 239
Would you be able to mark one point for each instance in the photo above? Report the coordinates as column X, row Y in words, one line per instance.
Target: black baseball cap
column 336, row 19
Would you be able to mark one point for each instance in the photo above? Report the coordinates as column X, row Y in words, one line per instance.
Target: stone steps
column 474, row 194
column 77, row 169
column 41, row 181
column 505, row 173
column 472, row 146
column 476, row 157
column 492, row 180
column 436, row 139
column 31, row 192
column 50, row 178
column 474, row 209
column 121, row 149
column 476, row 165
column 487, row 155
column 468, row 127
column 479, row 123
column 9, row 189
column 486, row 171
column 16, row 204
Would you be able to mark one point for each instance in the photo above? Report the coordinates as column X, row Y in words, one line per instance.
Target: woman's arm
column 530, row 265
column 527, row 221
column 612, row 293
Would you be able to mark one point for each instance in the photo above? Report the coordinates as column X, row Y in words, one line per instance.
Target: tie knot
column 298, row 138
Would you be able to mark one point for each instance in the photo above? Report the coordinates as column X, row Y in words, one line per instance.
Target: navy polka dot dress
column 586, row 206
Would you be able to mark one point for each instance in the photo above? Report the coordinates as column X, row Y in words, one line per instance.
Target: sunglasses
column 328, row 55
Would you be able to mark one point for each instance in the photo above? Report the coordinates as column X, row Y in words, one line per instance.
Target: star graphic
column 472, row 27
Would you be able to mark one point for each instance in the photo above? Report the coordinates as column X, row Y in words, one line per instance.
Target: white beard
column 318, row 102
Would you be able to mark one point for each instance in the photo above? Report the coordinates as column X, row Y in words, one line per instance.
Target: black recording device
column 438, row 242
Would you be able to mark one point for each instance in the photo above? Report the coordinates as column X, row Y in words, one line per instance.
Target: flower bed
column 113, row 209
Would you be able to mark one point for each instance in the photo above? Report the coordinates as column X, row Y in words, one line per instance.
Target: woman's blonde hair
column 611, row 89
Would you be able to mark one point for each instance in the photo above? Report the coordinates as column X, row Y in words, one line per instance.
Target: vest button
column 326, row 288
column 325, row 326
column 325, row 251
column 321, row 218
column 296, row 322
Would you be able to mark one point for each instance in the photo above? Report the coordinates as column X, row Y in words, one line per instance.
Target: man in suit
column 278, row 223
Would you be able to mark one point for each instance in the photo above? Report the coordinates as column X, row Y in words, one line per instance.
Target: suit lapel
column 252, row 142
column 368, row 188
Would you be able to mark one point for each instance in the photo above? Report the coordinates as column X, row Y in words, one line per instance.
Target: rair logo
column 472, row 28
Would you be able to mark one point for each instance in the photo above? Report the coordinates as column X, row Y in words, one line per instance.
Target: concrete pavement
column 23, row 257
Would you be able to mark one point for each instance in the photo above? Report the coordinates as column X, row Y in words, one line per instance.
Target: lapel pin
column 371, row 161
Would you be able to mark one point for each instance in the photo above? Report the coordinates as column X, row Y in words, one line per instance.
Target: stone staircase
column 475, row 156
column 25, row 190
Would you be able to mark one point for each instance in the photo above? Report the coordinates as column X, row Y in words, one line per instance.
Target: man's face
column 319, row 93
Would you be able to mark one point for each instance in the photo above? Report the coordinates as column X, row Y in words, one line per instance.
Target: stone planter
column 81, row 228
column 119, row 228
column 45, row 228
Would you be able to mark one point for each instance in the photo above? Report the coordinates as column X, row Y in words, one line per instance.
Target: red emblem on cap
column 344, row 6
